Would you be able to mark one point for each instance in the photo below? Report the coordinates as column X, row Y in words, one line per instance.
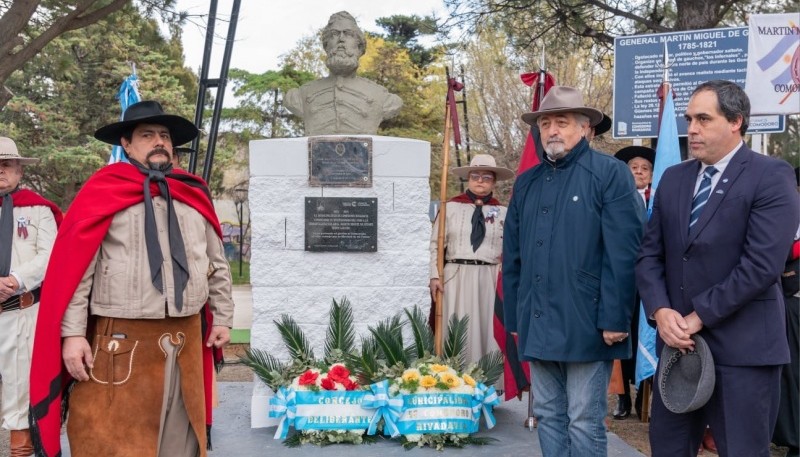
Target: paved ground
column 232, row 435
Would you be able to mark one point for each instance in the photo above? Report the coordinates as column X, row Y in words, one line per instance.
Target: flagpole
column 665, row 88
column 542, row 77
column 664, row 91
column 442, row 217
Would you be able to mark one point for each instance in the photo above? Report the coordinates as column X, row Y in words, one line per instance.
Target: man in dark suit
column 710, row 263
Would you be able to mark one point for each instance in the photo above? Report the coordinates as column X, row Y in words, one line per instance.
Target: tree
column 68, row 90
column 27, row 26
column 405, row 31
column 260, row 109
column 528, row 21
column 579, row 35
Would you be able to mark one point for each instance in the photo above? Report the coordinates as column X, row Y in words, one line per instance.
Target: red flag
column 454, row 86
column 517, row 374
column 529, row 157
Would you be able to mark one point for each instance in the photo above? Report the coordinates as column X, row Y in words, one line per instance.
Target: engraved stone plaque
column 340, row 161
column 341, row 224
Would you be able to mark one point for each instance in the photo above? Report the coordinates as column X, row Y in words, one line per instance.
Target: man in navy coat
column 710, row 263
column 570, row 242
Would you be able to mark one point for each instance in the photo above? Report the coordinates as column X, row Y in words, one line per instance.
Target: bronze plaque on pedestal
column 340, row 161
column 341, row 224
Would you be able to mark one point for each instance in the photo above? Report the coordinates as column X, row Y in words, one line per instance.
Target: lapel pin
column 720, row 191
column 725, row 180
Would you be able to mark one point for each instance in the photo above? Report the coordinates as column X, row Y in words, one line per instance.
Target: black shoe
column 623, row 407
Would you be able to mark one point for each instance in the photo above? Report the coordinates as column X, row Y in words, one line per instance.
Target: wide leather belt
column 22, row 301
column 470, row 262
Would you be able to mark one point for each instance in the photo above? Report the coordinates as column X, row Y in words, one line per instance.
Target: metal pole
column 201, row 91
column 223, row 79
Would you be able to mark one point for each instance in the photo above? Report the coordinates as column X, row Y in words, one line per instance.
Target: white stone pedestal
column 286, row 279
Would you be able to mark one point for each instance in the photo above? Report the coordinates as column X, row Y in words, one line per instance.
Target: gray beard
column 555, row 151
column 341, row 64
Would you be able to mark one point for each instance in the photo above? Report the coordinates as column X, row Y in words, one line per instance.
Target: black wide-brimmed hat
column 686, row 381
column 627, row 153
column 603, row 126
column 148, row 112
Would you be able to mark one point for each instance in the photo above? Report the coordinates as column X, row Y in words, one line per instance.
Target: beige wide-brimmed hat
column 483, row 162
column 563, row 99
column 8, row 151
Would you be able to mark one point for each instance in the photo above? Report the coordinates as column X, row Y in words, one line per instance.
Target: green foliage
column 421, row 331
column 365, row 364
column 443, row 440
column 405, row 30
column 68, row 90
column 269, row 369
column 340, row 337
column 490, row 366
column 295, row 340
column 260, row 109
column 456, row 341
column 388, row 335
column 327, row 437
column 384, row 356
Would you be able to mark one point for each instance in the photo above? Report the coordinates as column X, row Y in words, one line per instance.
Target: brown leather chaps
column 118, row 412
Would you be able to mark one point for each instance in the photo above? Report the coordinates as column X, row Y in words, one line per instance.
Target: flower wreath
column 350, row 396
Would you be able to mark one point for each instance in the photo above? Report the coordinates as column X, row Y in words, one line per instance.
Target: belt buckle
column 26, row 300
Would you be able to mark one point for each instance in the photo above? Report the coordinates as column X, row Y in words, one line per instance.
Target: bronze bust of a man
column 342, row 103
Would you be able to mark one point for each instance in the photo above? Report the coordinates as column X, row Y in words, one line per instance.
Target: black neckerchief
column 180, row 265
column 478, row 223
column 6, row 234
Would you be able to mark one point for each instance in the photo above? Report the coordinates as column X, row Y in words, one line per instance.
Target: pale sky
column 268, row 29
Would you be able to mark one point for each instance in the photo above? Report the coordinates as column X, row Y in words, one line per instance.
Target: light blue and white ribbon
column 387, row 408
column 485, row 399
column 283, row 406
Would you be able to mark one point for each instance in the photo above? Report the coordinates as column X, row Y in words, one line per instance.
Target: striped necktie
column 702, row 195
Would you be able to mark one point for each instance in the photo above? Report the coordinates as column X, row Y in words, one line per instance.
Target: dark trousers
column 787, row 428
column 741, row 414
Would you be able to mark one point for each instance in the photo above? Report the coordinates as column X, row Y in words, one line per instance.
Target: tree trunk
column 700, row 14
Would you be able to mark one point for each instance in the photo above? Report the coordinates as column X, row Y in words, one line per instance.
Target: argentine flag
column 668, row 153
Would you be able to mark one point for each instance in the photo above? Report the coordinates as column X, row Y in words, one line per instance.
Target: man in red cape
column 140, row 252
column 28, row 224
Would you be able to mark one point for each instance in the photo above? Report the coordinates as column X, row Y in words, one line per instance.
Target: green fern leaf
column 389, row 337
column 491, row 365
column 365, row 365
column 268, row 368
column 456, row 341
column 423, row 336
column 295, row 340
column 340, row 339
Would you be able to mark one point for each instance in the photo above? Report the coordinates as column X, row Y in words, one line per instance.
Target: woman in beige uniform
column 473, row 245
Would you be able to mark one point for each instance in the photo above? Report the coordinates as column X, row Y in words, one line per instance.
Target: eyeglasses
column 484, row 177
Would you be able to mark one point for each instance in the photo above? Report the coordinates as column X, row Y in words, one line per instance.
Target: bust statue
column 342, row 103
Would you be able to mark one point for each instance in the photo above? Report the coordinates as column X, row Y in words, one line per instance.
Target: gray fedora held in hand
column 148, row 112
column 560, row 100
column 8, row 151
column 686, row 381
